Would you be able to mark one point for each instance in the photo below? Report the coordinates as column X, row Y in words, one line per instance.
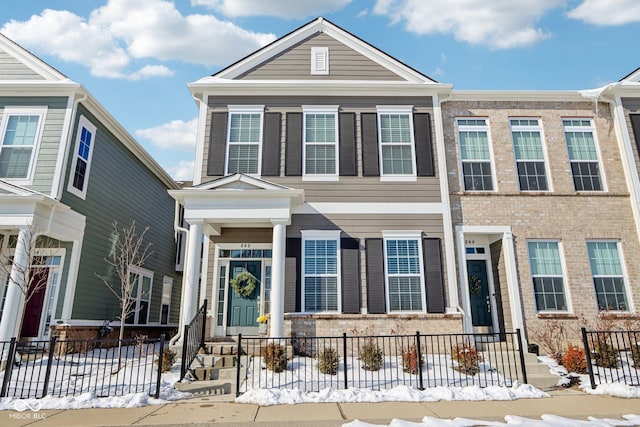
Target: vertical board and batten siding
column 13, row 69
column 500, row 286
column 50, row 143
column 295, row 64
column 120, row 188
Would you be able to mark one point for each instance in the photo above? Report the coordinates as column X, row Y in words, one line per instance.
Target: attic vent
column 320, row 60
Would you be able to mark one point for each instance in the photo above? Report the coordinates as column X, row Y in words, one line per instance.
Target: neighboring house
column 360, row 193
column 319, row 170
column 543, row 217
column 68, row 171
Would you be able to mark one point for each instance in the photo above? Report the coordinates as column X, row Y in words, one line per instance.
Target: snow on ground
column 510, row 420
column 399, row 393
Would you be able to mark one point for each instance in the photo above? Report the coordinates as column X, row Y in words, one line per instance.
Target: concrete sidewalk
column 205, row 411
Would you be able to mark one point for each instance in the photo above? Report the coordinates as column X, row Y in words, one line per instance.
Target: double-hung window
column 475, row 154
column 397, row 151
column 583, row 154
column 21, row 133
column 321, row 270
column 529, row 152
column 85, row 138
column 244, row 140
column 608, row 275
column 404, row 272
column 141, row 282
column 547, row 274
column 320, row 141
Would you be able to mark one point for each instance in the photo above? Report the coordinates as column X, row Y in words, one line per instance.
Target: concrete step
column 208, row 387
column 538, row 374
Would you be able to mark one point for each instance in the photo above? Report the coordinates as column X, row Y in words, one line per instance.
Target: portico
column 236, row 202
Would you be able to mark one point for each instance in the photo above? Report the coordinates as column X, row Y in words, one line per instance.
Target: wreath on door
column 475, row 285
column 244, row 284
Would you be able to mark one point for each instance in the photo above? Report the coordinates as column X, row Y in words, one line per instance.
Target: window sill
column 320, row 178
column 550, row 316
column 410, row 178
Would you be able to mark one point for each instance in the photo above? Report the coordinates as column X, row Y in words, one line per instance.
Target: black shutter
column 292, row 274
column 271, row 145
column 347, row 135
column 370, row 163
column 424, row 145
column 635, row 124
column 375, row 276
column 350, row 260
column 217, row 142
column 433, row 275
column 293, row 165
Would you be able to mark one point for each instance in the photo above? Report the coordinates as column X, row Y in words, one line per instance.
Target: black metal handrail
column 612, row 356
column 193, row 339
column 380, row 362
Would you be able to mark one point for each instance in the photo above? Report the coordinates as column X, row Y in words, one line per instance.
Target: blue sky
column 136, row 56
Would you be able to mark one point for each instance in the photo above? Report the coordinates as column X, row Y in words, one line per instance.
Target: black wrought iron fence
column 63, row 368
column 612, row 356
column 193, row 339
column 380, row 362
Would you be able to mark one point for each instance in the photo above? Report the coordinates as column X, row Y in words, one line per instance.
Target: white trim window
column 547, row 274
column 142, row 281
column 583, row 154
column 321, row 271
column 529, row 153
column 608, row 275
column 244, row 140
column 475, row 153
column 21, row 134
column 85, row 140
column 404, row 272
column 396, row 141
column 320, row 139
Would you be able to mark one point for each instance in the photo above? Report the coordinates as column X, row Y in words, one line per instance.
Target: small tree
column 25, row 275
column 128, row 250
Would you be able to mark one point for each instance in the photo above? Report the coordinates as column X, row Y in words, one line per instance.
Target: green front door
column 243, row 310
column 479, row 293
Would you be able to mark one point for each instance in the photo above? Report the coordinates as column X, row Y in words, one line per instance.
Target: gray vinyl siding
column 344, row 63
column 12, row 69
column 52, row 132
column 632, row 106
column 120, row 188
column 357, row 188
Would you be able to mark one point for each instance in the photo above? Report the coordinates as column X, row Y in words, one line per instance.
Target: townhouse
column 68, row 171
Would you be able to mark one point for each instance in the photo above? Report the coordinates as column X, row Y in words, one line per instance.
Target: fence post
column 420, row 380
column 587, row 354
column 344, row 352
column 204, row 323
column 521, row 352
column 157, row 393
column 238, row 363
column 185, row 343
column 47, row 375
column 8, row 369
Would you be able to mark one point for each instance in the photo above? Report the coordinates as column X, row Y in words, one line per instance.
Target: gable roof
column 240, row 181
column 324, row 26
column 633, row 76
column 38, row 66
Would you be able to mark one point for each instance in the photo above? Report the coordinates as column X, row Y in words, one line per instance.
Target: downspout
column 178, row 228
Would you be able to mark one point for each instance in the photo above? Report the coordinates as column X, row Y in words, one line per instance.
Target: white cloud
column 173, row 135
column 183, row 171
column 500, row 24
column 123, row 32
column 288, row 9
column 607, row 12
column 438, row 72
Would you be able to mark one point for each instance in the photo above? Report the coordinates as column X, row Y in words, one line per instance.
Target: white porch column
column 277, row 279
column 517, row 317
column 10, row 322
column 189, row 302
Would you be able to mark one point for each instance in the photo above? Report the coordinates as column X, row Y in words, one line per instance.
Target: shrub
column 411, row 362
column 467, row 358
column 275, row 357
column 328, row 361
column 574, row 360
column 605, row 354
column 372, row 356
column 550, row 336
column 168, row 359
column 635, row 355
